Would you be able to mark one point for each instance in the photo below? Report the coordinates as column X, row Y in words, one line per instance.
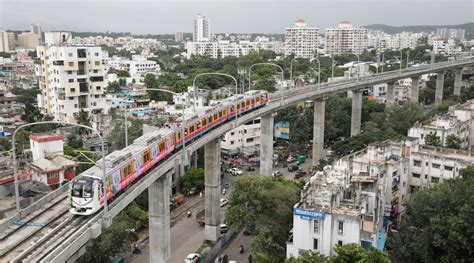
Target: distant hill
column 469, row 27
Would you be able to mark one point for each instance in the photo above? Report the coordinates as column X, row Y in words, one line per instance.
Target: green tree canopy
column 432, row 139
column 453, row 141
column 194, row 177
column 437, row 225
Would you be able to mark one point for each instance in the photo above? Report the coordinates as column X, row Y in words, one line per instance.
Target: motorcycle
column 241, row 249
column 189, row 213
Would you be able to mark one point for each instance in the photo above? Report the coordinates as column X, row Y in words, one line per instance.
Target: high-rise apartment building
column 346, row 39
column 178, row 36
column 28, row 40
column 301, row 40
column 71, row 79
column 4, row 46
column 36, row 29
column 202, row 28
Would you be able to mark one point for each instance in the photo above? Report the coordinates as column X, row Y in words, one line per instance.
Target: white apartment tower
column 301, row 40
column 71, row 79
column 346, row 39
column 202, row 28
column 4, row 46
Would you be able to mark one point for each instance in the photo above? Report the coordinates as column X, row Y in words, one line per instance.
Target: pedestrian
column 250, row 258
column 200, row 195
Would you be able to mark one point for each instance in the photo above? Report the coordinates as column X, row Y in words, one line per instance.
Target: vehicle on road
column 235, row 171
column 192, row 258
column 224, row 228
column 224, row 202
column 290, row 159
column 277, row 174
column 200, row 217
column 300, row 174
column 250, row 168
column 293, row 168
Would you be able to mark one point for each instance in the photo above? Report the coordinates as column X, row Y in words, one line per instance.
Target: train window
column 204, row 122
column 243, row 104
column 224, row 112
column 232, row 108
column 198, row 125
column 215, row 116
column 146, row 156
column 87, row 190
column 210, row 119
column 257, row 99
column 248, row 102
column 220, row 114
column 253, row 101
column 162, row 146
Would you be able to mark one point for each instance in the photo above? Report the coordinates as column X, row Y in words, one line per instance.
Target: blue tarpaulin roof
column 381, row 240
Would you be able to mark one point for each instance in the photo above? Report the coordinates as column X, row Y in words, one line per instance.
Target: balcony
column 69, row 175
column 81, row 53
column 51, row 181
column 83, row 88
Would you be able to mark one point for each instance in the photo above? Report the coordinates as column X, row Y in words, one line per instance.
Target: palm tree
column 82, row 117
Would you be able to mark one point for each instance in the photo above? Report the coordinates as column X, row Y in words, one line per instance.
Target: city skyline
column 253, row 17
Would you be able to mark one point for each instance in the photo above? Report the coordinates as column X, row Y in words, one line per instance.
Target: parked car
column 247, row 231
column 250, row 168
column 224, row 202
column 277, row 174
column 224, row 228
column 300, row 174
column 290, row 159
column 192, row 258
column 236, row 171
column 293, row 168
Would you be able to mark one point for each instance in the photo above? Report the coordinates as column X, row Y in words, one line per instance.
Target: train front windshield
column 82, row 188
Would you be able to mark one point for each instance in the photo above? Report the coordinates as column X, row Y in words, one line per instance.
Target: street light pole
column 333, row 65
column 408, row 56
column 319, row 70
column 15, row 169
column 291, row 71
column 270, row 64
column 401, row 61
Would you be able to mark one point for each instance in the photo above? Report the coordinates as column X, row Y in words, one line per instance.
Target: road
column 186, row 235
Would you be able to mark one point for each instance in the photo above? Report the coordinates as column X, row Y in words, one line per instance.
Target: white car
column 192, row 258
column 224, row 228
column 236, row 171
column 224, row 202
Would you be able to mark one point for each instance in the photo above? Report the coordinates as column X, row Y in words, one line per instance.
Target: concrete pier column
column 318, row 130
column 457, row 81
column 212, row 152
column 356, row 112
column 439, row 87
column 266, row 145
column 390, row 94
column 415, row 89
column 159, row 218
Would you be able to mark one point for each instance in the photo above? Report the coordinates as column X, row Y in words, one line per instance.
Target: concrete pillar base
column 415, row 89
column 457, row 81
column 159, row 219
column 212, row 154
column 318, row 130
column 356, row 112
column 212, row 233
column 390, row 94
column 439, row 87
column 266, row 145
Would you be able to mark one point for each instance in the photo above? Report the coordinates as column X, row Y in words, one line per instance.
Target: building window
column 416, row 163
column 434, row 179
column 96, row 54
column 96, row 71
column 435, row 165
column 415, row 175
column 339, row 242
column 69, row 72
column 97, row 63
column 73, row 90
column 75, row 105
column 448, row 168
column 426, row 163
column 71, row 64
column 231, row 142
column 316, row 226
column 315, row 243
column 69, row 54
column 71, row 80
column 340, row 228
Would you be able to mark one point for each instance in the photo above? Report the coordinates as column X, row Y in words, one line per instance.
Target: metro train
column 124, row 167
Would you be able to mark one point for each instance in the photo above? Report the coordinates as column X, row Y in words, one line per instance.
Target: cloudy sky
column 263, row 16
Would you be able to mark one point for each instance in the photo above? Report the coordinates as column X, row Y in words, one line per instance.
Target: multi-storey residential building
column 352, row 200
column 10, row 114
column 137, row 67
column 71, row 79
column 346, row 39
column 28, row 40
column 178, row 36
column 459, row 121
column 225, row 48
column 202, row 28
column 244, row 137
column 301, row 40
column 339, row 207
column 5, row 41
column 450, row 33
column 445, row 47
column 36, row 29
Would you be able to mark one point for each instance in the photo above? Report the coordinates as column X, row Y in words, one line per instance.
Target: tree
column 375, row 256
column 402, row 118
column 31, row 114
column 432, row 139
column 117, row 135
column 349, row 253
column 453, row 141
column 264, row 205
column 437, row 225
column 74, row 142
column 194, row 177
column 113, row 87
column 83, row 118
column 308, row 257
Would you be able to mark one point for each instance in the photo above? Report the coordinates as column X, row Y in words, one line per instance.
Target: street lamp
column 291, row 71
column 401, row 61
column 15, row 171
column 333, row 65
column 270, row 64
column 319, row 70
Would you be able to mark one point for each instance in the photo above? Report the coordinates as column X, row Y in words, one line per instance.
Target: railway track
column 34, row 227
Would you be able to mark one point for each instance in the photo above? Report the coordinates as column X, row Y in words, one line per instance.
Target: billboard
column 308, row 214
column 282, row 130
